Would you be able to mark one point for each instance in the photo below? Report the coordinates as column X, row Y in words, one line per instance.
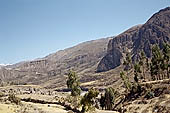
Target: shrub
column 14, row 99
column 74, row 101
column 2, row 94
column 149, row 95
column 88, row 100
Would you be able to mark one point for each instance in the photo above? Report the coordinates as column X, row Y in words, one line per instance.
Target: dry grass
column 6, row 108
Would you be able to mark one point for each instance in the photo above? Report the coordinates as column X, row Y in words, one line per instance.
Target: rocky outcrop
column 155, row 31
column 116, row 47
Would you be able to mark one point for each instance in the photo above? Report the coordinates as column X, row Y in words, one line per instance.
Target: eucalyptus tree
column 137, row 71
column 166, row 57
column 156, row 62
column 142, row 62
column 109, row 98
column 127, row 62
column 73, row 83
column 126, row 81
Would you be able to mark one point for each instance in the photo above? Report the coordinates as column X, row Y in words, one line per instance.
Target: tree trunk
column 167, row 73
column 143, row 72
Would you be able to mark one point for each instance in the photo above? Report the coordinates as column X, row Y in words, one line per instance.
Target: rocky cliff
column 116, row 47
column 155, row 31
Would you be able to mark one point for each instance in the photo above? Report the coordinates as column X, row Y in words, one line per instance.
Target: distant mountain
column 82, row 58
column 1, row 65
column 155, row 31
column 4, row 65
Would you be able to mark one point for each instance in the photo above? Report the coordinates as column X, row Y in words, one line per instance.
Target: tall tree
column 109, row 98
column 102, row 101
column 166, row 57
column 142, row 62
column 126, row 81
column 127, row 64
column 156, row 62
column 73, row 83
column 137, row 71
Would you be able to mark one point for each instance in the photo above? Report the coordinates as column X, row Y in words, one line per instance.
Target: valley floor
column 35, row 99
column 43, row 103
column 38, row 108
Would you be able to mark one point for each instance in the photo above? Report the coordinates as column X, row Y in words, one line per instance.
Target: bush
column 14, row 99
column 2, row 94
column 74, row 101
column 88, row 100
column 149, row 95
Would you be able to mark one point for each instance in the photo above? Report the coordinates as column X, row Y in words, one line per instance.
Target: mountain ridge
column 82, row 58
column 155, row 31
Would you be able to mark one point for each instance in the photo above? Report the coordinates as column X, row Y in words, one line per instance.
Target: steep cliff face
column 155, row 31
column 116, row 47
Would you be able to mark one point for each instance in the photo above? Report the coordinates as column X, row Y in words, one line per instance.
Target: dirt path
column 156, row 82
column 104, row 111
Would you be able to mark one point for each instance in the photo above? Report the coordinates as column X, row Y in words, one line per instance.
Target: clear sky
column 31, row 29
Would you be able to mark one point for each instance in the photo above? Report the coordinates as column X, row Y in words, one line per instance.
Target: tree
column 126, row 81
column 109, row 98
column 137, row 70
column 147, row 65
column 102, row 101
column 87, row 101
column 127, row 62
column 156, row 63
column 142, row 62
column 166, row 57
column 73, row 83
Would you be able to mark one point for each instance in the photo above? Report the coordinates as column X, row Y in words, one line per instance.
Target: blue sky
column 31, row 29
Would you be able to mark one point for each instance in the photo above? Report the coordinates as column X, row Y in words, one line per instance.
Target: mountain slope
column 155, row 31
column 82, row 58
column 89, row 57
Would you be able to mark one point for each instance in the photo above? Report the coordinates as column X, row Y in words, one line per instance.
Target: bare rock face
column 155, row 31
column 116, row 47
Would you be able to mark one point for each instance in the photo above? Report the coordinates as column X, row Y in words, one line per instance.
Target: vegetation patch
column 14, row 99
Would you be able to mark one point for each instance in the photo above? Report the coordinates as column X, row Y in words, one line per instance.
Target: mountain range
column 82, row 58
column 90, row 58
